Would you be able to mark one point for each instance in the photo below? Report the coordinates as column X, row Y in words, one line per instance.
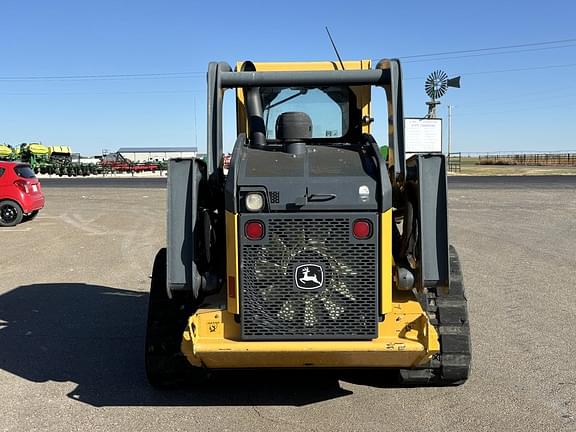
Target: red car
column 21, row 196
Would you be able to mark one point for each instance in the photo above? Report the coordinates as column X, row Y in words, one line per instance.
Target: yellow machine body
column 405, row 338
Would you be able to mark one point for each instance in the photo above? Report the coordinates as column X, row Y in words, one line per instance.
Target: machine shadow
column 93, row 336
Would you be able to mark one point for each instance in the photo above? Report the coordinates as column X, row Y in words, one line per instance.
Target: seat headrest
column 293, row 126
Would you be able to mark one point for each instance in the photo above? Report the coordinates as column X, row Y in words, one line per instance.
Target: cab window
column 327, row 107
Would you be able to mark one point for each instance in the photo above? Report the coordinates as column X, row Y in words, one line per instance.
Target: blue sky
column 531, row 109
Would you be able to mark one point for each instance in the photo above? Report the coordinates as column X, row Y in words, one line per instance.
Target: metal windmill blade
column 436, row 84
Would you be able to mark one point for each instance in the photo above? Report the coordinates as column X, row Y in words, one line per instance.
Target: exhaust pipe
column 257, row 128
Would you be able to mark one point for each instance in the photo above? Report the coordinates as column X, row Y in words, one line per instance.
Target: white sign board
column 422, row 135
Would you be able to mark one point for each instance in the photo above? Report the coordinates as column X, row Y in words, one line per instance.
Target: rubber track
column 165, row 364
column 448, row 312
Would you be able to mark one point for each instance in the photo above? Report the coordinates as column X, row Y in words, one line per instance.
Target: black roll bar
column 387, row 75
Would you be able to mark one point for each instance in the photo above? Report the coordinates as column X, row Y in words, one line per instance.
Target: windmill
column 436, row 86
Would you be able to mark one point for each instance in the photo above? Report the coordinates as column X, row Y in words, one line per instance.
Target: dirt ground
column 73, row 299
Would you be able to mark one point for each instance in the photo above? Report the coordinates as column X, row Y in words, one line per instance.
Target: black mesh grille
column 273, row 306
column 274, row 197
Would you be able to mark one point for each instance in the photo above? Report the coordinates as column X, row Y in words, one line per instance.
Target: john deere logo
column 309, row 276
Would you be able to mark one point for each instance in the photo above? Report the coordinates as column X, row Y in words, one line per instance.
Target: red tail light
column 254, row 230
column 22, row 185
column 362, row 229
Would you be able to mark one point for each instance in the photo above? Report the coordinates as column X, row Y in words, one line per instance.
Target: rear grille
column 280, row 296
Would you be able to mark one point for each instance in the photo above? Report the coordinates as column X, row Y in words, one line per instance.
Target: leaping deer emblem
column 307, row 277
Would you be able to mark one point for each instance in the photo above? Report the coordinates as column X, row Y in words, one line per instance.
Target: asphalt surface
column 512, row 182
column 455, row 182
column 139, row 182
column 73, row 295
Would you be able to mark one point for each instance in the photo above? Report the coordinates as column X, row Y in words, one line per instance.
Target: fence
column 535, row 159
column 454, row 162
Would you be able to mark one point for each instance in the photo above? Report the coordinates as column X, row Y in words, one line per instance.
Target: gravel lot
column 73, row 296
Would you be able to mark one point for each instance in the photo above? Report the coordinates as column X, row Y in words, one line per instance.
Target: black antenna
column 335, row 49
